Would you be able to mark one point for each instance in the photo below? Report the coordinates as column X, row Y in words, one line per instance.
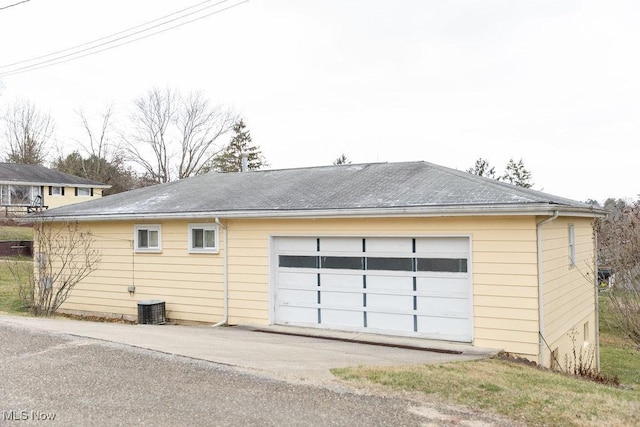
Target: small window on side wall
column 572, row 246
column 148, row 238
column 203, row 238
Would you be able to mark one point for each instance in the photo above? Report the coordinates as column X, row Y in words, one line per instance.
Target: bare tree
column 619, row 252
column 98, row 144
column 27, row 132
column 65, row 255
column 174, row 136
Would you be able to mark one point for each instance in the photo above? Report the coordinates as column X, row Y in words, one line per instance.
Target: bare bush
column 65, row 256
column 619, row 251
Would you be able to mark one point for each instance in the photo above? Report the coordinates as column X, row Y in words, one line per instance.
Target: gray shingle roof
column 39, row 175
column 413, row 187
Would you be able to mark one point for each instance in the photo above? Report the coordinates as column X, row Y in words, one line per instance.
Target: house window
column 148, row 238
column 572, row 246
column 82, row 191
column 203, row 238
column 56, row 191
column 18, row 195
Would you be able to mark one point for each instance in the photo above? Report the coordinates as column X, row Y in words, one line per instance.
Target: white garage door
column 400, row 285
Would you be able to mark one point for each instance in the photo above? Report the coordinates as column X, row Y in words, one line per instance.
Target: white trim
column 203, row 226
column 419, row 212
column 148, row 227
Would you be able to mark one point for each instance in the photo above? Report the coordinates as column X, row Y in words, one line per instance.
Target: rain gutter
column 420, row 211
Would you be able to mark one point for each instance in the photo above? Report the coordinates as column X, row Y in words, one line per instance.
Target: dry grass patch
column 523, row 393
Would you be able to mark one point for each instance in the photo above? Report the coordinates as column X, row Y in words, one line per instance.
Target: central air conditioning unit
column 151, row 312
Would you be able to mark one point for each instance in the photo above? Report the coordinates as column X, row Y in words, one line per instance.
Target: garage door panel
column 339, row 245
column 342, row 318
column 389, row 245
column 391, row 284
column 456, row 246
column 297, row 244
column 302, row 315
column 443, row 306
column 444, row 327
column 389, row 302
column 342, row 299
column 341, row 281
column 390, row 322
column 298, row 297
column 298, row 280
column 443, row 286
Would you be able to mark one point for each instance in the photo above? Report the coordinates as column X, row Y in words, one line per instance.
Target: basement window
column 203, row 238
column 148, row 238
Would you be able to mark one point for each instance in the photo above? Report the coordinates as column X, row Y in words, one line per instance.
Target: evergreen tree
column 342, row 160
column 230, row 159
column 517, row 174
column 483, row 168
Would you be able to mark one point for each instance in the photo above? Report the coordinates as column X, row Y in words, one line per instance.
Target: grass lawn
column 9, row 300
column 15, row 233
column 524, row 393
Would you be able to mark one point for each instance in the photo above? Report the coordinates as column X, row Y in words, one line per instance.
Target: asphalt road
column 55, row 379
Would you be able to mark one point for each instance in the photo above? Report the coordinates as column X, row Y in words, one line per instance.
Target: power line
column 113, row 35
column 15, row 4
column 124, row 40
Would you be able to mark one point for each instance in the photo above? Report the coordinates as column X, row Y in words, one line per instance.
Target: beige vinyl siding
column 504, row 274
column 68, row 198
column 189, row 283
column 503, row 266
column 569, row 290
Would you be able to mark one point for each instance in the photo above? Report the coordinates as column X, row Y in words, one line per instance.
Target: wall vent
column 151, row 312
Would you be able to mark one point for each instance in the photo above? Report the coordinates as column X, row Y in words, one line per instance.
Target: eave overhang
column 421, row 211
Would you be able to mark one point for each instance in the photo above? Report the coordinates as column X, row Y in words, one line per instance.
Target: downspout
column 596, row 291
column 225, row 280
column 541, row 286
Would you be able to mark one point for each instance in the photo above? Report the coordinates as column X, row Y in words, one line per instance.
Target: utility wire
column 111, row 35
column 108, row 45
column 15, row 4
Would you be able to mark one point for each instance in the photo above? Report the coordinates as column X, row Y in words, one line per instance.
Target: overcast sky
column 556, row 83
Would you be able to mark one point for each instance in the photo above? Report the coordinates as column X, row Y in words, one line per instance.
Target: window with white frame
column 148, row 238
column 83, row 191
column 572, row 246
column 203, row 238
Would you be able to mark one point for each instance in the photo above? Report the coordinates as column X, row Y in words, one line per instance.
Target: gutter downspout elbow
column 225, row 280
column 539, row 225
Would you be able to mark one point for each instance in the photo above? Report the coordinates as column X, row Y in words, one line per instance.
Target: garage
column 409, row 286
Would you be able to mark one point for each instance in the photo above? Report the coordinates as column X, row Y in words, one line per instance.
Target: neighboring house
column 410, row 249
column 30, row 187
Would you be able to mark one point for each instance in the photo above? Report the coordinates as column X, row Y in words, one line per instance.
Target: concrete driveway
column 292, row 354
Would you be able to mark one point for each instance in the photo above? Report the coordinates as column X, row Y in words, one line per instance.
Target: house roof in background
column 13, row 173
column 371, row 189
